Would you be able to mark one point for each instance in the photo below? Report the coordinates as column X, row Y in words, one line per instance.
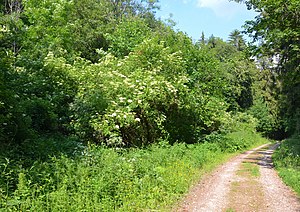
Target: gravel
column 278, row 196
column 213, row 192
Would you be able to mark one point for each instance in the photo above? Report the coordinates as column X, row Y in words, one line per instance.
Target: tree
column 276, row 28
column 11, row 32
column 119, row 10
column 202, row 38
column 236, row 39
column 276, row 35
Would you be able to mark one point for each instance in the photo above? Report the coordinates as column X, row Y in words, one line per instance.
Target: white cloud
column 222, row 8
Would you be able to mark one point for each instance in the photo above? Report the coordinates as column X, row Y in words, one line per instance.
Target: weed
column 287, row 162
column 97, row 178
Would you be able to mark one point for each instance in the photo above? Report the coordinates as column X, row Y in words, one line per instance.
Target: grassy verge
column 97, row 178
column 287, row 162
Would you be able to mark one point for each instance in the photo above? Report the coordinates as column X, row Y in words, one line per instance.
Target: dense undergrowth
column 287, row 162
column 97, row 178
column 155, row 107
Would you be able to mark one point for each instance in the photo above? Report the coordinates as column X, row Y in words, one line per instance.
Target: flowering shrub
column 123, row 102
column 142, row 98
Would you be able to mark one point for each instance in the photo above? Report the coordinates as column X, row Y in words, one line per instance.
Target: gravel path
column 226, row 190
column 277, row 195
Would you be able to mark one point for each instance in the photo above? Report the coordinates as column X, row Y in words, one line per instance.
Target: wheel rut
column 248, row 182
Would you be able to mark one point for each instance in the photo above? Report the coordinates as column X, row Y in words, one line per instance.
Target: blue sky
column 217, row 17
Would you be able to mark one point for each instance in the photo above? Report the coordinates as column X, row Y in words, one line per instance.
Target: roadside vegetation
column 287, row 162
column 104, row 106
column 107, row 179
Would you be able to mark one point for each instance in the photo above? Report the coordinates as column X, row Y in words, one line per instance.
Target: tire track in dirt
column 211, row 193
column 247, row 182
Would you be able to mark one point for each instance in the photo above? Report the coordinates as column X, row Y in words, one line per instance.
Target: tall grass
column 96, row 178
column 287, row 162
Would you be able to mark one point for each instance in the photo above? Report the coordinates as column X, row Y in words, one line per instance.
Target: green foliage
column 129, row 100
column 128, row 34
column 150, row 95
column 287, row 154
column 239, row 122
column 7, row 101
column 109, row 72
column 46, row 94
column 291, row 177
column 237, row 132
column 235, row 73
column 100, row 178
column 276, row 29
column 266, row 104
column 240, row 140
column 287, row 162
column 276, row 26
column 237, row 40
column 266, row 121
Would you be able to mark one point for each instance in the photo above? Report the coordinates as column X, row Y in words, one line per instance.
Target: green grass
column 97, row 178
column 287, row 162
column 251, row 168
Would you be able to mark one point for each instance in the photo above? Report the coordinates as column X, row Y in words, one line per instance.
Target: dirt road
column 248, row 182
